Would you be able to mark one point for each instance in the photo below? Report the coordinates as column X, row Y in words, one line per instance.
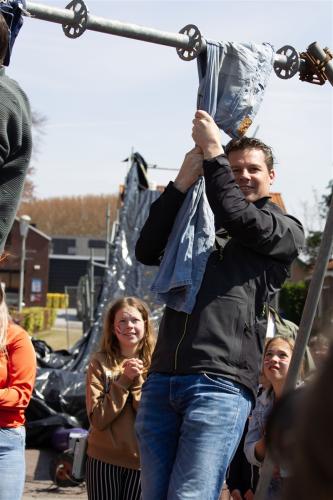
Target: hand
column 206, row 135
column 190, row 170
column 236, row 495
column 260, row 449
column 249, row 495
column 132, row 367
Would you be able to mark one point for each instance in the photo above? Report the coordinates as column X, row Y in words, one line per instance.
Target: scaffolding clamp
column 314, row 69
column 196, row 42
column 78, row 26
column 290, row 65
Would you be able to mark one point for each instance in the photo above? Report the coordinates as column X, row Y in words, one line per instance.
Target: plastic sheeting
column 59, row 396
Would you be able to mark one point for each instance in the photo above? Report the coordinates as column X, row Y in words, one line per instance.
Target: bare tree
column 38, row 124
column 73, row 215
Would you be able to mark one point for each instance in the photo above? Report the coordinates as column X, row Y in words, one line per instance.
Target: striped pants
column 111, row 482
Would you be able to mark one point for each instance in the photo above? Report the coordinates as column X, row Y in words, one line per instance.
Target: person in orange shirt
column 17, row 377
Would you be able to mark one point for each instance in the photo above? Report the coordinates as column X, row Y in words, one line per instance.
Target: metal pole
column 107, row 243
column 23, row 228
column 23, row 251
column 67, row 321
column 128, row 30
column 92, row 288
column 111, row 27
column 311, row 302
column 304, row 331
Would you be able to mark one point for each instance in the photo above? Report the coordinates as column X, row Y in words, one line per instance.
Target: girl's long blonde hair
column 4, row 320
column 109, row 342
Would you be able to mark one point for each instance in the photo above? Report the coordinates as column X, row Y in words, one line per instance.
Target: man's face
column 251, row 173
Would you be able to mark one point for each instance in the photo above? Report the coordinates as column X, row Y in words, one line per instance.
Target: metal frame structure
column 316, row 67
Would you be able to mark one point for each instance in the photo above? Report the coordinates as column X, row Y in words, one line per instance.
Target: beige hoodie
column 112, row 400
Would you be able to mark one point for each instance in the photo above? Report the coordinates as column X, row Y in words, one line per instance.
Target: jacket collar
column 262, row 201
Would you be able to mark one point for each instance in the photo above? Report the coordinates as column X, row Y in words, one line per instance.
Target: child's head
column 127, row 328
column 277, row 356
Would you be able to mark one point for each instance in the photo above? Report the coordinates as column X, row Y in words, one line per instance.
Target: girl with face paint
column 114, row 380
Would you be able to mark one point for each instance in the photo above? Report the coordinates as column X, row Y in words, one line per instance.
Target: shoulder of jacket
column 100, row 359
column 13, row 97
column 274, row 207
column 266, row 398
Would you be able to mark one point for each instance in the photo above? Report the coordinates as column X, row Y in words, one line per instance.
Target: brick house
column 36, row 273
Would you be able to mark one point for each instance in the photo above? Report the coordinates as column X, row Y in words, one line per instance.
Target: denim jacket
column 190, row 243
column 232, row 81
column 257, row 425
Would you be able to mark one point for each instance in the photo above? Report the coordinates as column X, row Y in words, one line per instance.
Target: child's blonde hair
column 289, row 340
column 110, row 344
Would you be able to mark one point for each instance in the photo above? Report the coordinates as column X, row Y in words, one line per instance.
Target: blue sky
column 104, row 95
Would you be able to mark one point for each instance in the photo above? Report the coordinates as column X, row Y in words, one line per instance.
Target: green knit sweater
column 15, row 150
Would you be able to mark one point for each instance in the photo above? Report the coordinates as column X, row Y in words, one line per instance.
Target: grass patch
column 60, row 338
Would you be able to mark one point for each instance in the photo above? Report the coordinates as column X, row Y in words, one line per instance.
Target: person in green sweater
column 114, row 379
column 15, row 124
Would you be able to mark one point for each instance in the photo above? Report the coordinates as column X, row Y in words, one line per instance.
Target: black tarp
column 59, row 396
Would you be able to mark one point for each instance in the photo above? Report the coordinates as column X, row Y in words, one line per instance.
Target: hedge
column 292, row 299
column 35, row 319
column 57, row 300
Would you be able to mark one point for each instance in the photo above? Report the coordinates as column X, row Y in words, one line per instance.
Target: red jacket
column 17, row 376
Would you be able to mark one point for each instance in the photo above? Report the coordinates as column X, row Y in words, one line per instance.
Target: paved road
column 67, row 318
column 39, row 486
column 38, row 483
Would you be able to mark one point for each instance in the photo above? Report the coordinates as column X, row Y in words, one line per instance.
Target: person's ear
column 271, row 176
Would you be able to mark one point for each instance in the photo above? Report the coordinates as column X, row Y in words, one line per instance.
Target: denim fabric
column 12, row 12
column 188, row 428
column 12, row 462
column 232, row 80
column 257, row 425
column 189, row 245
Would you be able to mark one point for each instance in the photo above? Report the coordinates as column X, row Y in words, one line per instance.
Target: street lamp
column 24, row 228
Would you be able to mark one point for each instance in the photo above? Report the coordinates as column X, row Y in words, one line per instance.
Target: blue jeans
column 12, row 462
column 188, row 428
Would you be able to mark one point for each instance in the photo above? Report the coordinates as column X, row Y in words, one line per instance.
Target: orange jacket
column 17, row 376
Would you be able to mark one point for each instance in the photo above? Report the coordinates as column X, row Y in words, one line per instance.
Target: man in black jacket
column 204, row 372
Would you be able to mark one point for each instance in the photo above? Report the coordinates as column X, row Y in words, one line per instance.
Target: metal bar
column 304, row 331
column 67, row 320
column 134, row 31
column 107, row 243
column 92, row 288
column 111, row 27
column 311, row 302
column 266, row 472
column 22, row 269
column 98, row 264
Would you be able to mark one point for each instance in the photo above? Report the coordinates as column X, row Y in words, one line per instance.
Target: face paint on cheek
column 120, row 329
